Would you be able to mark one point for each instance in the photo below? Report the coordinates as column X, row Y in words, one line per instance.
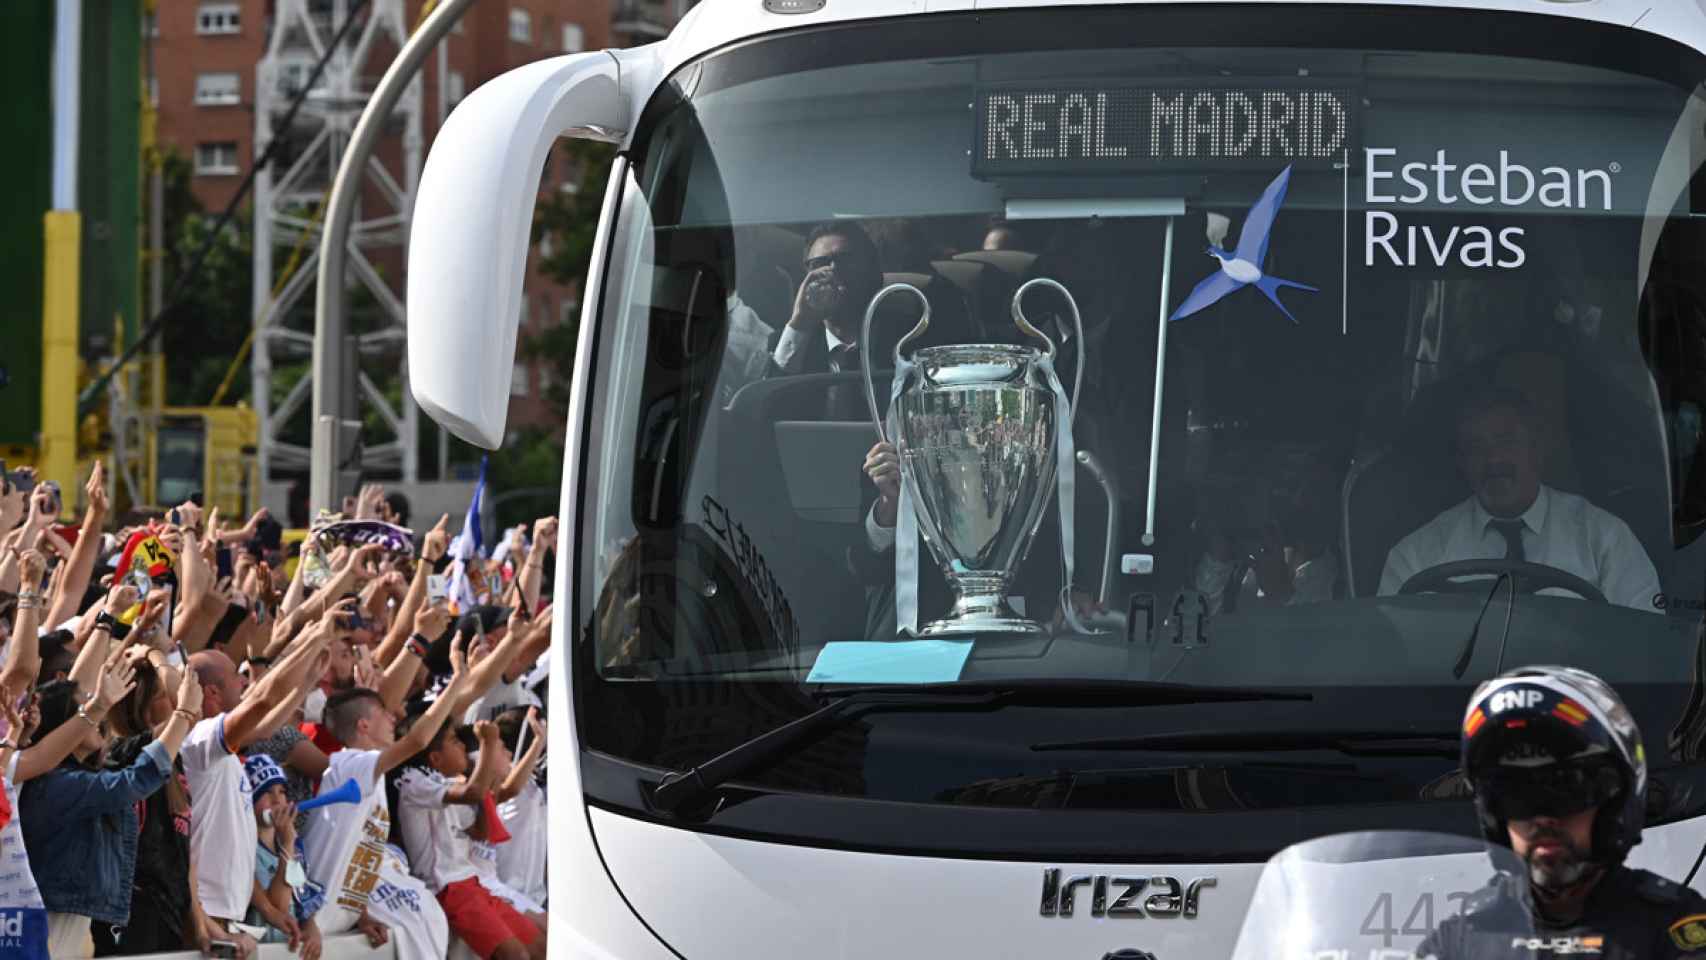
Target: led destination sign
column 1110, row 129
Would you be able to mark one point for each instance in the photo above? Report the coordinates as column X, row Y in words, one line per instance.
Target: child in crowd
column 515, row 869
column 437, row 794
column 285, row 900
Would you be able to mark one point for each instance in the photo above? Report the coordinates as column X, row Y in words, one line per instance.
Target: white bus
column 1286, row 575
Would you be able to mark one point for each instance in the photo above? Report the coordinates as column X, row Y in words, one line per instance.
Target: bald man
column 222, row 818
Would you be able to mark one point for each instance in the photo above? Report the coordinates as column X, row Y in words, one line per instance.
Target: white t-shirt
column 503, row 696
column 222, row 821
column 17, row 884
column 521, row 861
column 435, row 835
column 347, row 854
column 1559, row 530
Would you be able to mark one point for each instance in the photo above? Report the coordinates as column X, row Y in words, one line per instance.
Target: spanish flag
column 1473, row 723
column 1570, row 712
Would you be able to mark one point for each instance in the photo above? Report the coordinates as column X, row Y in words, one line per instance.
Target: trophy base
column 982, row 612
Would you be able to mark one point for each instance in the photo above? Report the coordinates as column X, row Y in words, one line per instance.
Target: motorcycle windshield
column 1386, row 895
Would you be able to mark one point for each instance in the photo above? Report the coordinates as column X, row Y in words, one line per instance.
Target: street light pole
column 329, row 339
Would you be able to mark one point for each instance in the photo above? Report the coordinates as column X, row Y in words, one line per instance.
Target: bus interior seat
column 800, row 510
column 1014, row 263
column 987, row 292
column 1587, row 448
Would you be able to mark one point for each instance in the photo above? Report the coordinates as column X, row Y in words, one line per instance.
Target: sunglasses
column 1558, row 791
column 837, row 260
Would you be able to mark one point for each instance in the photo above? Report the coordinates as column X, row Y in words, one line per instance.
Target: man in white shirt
column 348, row 844
column 1513, row 516
column 222, row 818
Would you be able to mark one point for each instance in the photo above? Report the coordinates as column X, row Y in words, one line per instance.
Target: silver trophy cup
column 976, row 428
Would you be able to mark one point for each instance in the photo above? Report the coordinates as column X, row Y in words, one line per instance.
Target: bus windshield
column 1370, row 337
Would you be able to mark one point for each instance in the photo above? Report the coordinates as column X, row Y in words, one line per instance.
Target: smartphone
column 52, row 487
column 222, row 948
column 222, row 560
column 438, row 587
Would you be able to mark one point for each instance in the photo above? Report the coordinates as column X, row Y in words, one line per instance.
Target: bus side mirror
column 472, row 223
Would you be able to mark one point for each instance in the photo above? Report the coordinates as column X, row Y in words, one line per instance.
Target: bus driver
column 1512, row 515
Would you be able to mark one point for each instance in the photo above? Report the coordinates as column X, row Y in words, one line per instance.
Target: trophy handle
column 865, row 347
column 1077, row 326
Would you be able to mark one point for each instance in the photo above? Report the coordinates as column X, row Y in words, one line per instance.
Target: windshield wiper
column 1468, row 652
column 689, row 786
column 1352, row 742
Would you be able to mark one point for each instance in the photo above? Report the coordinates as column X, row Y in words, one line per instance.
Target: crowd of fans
column 201, row 751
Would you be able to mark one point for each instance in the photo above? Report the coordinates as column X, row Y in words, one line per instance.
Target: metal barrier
column 344, row 946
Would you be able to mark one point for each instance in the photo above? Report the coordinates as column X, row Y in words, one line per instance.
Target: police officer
column 1560, row 777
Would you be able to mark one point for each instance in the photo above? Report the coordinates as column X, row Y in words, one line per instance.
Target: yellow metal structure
column 208, row 451
column 57, row 453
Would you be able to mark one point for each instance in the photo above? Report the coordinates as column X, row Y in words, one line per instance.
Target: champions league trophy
column 984, row 434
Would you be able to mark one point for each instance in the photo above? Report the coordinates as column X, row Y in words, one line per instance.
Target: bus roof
column 716, row 23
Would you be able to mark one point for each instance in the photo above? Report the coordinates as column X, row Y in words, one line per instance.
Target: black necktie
column 1512, row 532
column 844, row 359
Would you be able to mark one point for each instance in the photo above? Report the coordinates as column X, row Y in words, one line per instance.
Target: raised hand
column 189, row 516
column 545, row 533
column 31, row 566
column 120, row 598
column 118, row 678
column 363, row 561
column 189, row 693
column 487, row 732
column 367, row 503
column 437, row 541
column 458, row 658
column 536, row 724
column 430, row 621
column 11, row 710
column 96, row 489
column 542, row 621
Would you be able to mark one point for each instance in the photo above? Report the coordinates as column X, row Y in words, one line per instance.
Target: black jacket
column 1631, row 915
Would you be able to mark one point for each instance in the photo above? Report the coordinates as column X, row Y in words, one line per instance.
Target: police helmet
column 1553, row 741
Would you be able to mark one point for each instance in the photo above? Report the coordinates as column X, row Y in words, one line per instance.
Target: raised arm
column 23, row 654
column 118, row 678
column 400, row 672
column 522, row 769
column 86, row 671
column 433, row 547
column 544, row 541
column 354, row 568
column 537, row 645
column 421, row 733
column 484, row 676
column 286, row 706
column 472, row 789
column 82, row 561
column 24, row 535
column 243, row 722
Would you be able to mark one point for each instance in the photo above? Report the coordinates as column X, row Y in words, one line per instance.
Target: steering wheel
column 1527, row 578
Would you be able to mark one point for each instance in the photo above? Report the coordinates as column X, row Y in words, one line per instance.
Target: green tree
column 565, row 224
column 205, row 333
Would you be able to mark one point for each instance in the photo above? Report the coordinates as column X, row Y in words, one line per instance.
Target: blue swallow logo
column 1243, row 267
